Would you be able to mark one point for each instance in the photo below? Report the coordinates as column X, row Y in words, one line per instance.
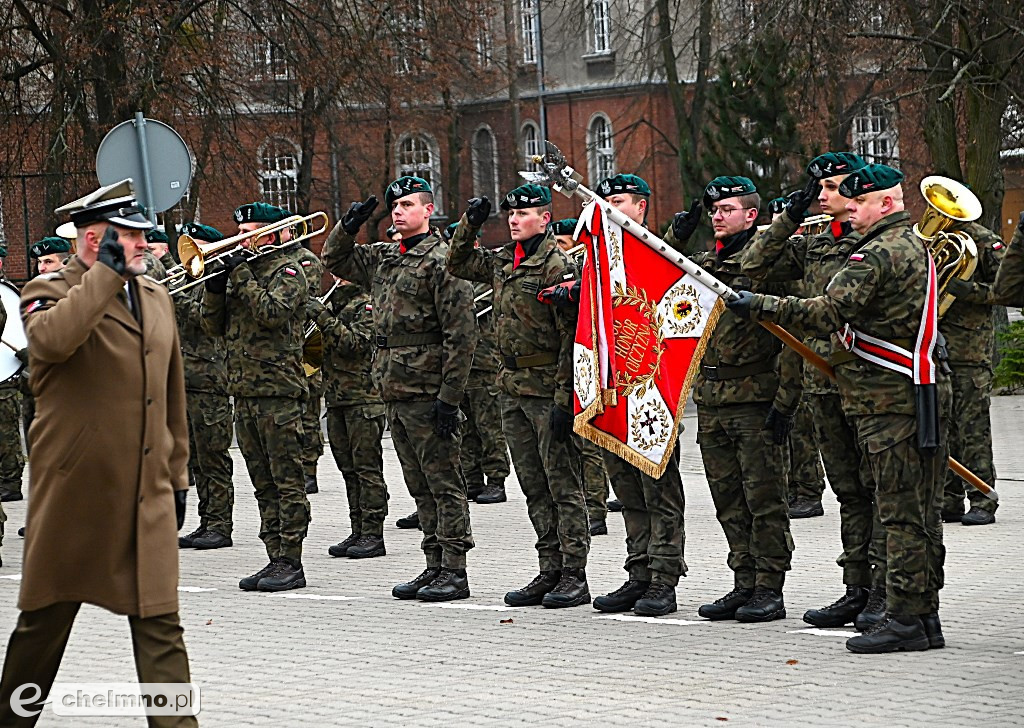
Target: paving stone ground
column 342, row 652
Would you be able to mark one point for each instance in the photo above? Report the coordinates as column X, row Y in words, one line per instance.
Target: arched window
column 279, row 172
column 600, row 148
column 417, row 154
column 531, row 145
column 484, row 153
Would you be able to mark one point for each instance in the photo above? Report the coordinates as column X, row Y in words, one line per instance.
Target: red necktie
column 401, row 248
column 520, row 254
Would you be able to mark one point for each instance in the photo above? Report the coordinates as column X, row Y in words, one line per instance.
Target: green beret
column 3, row 250
column 260, row 212
column 49, row 246
column 564, row 227
column 722, row 188
column 620, row 184
column 870, row 178
column 449, row 232
column 528, row 195
column 156, row 236
column 831, row 164
column 777, row 205
column 201, row 232
column 403, row 187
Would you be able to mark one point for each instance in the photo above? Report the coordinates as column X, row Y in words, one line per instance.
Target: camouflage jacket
column 968, row 324
column 155, row 267
column 204, row 356
column 262, row 317
column 880, row 291
column 485, row 358
column 347, row 331
column 415, row 300
column 525, row 328
column 811, row 260
column 313, row 270
column 1008, row 288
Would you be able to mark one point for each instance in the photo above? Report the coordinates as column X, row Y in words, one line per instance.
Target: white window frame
column 874, row 133
column 528, row 21
column 601, row 26
column 270, row 61
column 420, row 143
column 530, row 133
column 409, row 43
column 279, row 183
column 484, row 43
column 600, row 148
column 485, row 187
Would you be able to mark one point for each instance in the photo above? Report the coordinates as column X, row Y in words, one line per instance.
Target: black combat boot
column 615, row 505
column 842, row 611
column 806, row 508
column 410, row 521
column 873, row 611
column 892, row 634
column 185, row 542
column 341, row 549
column 978, row 517
column 11, row 492
column 571, row 591
column 494, row 492
column 473, row 490
column 448, row 585
column 766, row 605
column 311, row 486
column 534, row 592
column 408, row 589
column 725, row 608
column 367, row 547
column 598, row 528
column 623, row 598
column 659, row 599
column 250, row 583
column 287, row 575
column 211, row 540
column 933, row 628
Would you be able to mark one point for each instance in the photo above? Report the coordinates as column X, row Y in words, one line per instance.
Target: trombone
column 197, row 256
column 813, row 225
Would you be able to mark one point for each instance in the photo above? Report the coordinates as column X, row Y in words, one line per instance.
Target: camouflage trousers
column 484, row 450
column 806, row 476
column 970, row 437
column 652, row 510
column 908, row 488
column 434, row 479
column 12, row 458
column 554, row 496
column 746, row 472
column 209, row 438
column 588, row 464
column 312, row 432
column 269, row 432
column 849, row 475
column 354, row 433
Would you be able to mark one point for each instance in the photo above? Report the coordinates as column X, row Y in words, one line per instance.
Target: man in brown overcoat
column 109, row 473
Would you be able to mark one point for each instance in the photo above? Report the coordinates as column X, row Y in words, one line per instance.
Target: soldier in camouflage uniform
column 259, row 306
column 781, row 254
column 535, row 374
column 209, row 414
column 158, row 254
column 1008, row 288
column 969, row 328
column 881, row 292
column 425, row 335
column 746, row 395
column 355, row 415
column 312, row 432
column 12, row 458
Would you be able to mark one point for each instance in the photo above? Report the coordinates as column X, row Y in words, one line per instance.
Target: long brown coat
column 109, row 443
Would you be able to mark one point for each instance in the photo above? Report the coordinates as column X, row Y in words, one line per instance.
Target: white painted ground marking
column 326, row 597
column 1018, row 653
column 824, row 632
column 651, row 620
column 12, row 577
column 484, row 607
column 195, row 589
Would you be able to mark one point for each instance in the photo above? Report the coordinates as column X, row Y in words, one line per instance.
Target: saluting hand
column 111, row 252
column 800, row 202
column 685, row 223
column 358, row 213
column 478, row 211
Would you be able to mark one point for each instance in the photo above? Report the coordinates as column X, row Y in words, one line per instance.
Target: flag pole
column 563, row 178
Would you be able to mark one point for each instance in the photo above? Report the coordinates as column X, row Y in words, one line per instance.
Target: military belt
column 721, row 373
column 390, row 342
column 533, row 360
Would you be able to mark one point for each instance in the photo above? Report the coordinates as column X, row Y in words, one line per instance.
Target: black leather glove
column 478, row 211
column 111, row 253
column 561, row 424
column 780, row 425
column 799, row 202
column 741, row 305
column 684, row 223
column 563, row 295
column 179, row 506
column 358, row 213
column 445, row 417
column 22, row 356
column 958, row 288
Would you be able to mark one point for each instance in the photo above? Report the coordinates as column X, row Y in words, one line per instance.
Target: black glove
column 111, row 253
column 445, row 417
column 563, row 295
column 315, row 308
column 358, row 213
column 958, row 288
column 741, row 305
column 780, row 425
column 179, row 506
column 22, row 356
column 478, row 211
column 561, row 424
column 799, row 202
column 684, row 223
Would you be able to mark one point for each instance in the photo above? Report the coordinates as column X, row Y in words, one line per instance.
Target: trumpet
column 813, row 225
column 313, row 341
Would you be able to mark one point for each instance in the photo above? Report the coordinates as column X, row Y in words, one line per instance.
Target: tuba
column 950, row 205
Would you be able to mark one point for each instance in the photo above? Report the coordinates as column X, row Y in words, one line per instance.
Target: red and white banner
column 643, row 326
